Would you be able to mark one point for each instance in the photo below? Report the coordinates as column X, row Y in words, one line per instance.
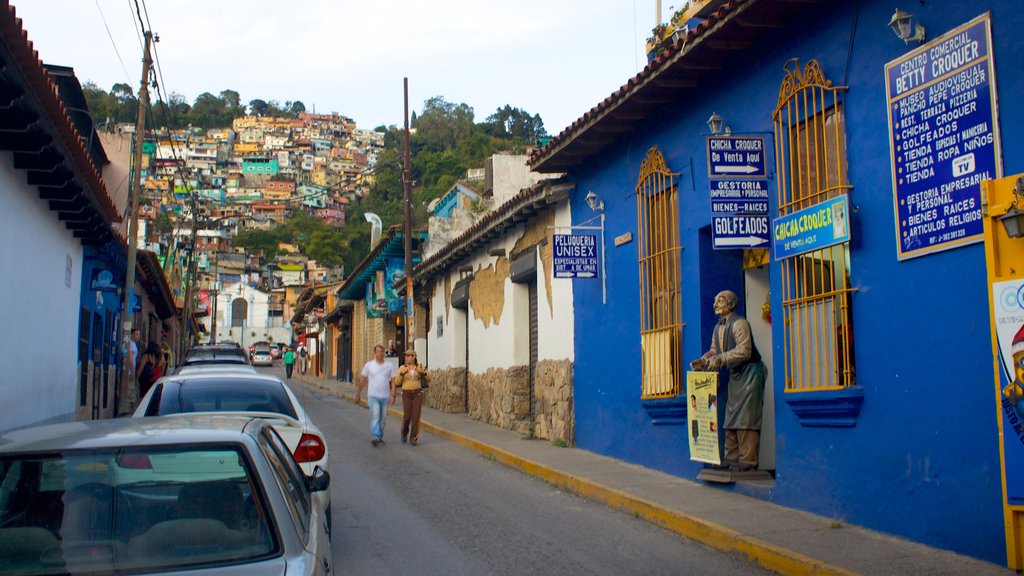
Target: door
column 756, row 286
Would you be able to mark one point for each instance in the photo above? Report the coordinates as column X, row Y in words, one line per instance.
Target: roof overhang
column 391, row 245
column 728, row 34
column 36, row 127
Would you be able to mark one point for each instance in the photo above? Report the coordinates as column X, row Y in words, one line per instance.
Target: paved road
column 440, row 508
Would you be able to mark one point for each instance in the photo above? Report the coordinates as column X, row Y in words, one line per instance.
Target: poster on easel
column 702, row 413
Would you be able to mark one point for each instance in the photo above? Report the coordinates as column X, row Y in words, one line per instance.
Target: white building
column 242, row 315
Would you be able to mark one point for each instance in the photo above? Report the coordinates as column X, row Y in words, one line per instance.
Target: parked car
column 261, row 356
column 196, row 494
column 275, row 350
column 208, row 355
column 252, row 394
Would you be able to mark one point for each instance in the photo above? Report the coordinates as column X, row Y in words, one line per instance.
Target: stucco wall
column 39, row 340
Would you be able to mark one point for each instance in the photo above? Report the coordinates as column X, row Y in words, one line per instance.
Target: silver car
column 197, row 494
column 231, row 390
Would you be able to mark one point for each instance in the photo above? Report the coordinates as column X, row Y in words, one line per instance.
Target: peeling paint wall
column 497, row 324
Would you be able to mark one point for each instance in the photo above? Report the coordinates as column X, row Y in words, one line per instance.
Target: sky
column 556, row 58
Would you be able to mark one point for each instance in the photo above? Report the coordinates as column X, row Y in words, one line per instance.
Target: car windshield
column 262, row 350
column 139, row 509
column 222, row 394
column 214, row 356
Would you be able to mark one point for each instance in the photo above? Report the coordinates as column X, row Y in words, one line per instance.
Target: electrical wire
column 112, row 43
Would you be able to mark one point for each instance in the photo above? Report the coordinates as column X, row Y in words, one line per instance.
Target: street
column 440, row 508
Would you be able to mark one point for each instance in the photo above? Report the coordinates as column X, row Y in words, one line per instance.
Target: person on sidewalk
column 289, row 361
column 302, row 358
column 732, row 347
column 412, row 376
column 378, row 377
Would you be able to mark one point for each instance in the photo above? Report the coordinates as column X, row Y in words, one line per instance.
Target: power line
column 112, row 43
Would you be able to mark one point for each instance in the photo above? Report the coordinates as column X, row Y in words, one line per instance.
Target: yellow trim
column 658, row 253
column 811, row 155
column 1003, row 256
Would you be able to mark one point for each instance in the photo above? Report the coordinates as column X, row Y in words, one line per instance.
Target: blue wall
column 922, row 460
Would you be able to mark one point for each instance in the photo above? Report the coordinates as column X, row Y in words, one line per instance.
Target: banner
column 702, row 412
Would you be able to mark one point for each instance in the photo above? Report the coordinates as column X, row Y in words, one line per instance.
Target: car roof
column 120, row 432
column 214, row 374
column 216, row 368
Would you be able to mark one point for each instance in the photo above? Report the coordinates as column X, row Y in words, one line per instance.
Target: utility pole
column 128, row 375
column 407, row 186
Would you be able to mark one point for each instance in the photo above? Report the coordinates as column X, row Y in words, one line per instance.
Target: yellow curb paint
column 766, row 554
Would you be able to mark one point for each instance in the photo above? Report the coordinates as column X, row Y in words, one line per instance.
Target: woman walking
column 412, row 377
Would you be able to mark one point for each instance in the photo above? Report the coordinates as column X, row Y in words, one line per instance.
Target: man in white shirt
column 376, row 378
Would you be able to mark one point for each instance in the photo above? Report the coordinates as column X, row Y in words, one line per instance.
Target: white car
column 195, row 494
column 251, row 394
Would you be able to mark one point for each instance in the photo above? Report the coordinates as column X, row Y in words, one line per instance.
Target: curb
column 765, row 554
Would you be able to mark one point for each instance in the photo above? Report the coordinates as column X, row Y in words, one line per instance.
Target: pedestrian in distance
column 414, row 379
column 150, row 368
column 133, row 350
column 289, row 362
column 302, row 358
column 379, row 379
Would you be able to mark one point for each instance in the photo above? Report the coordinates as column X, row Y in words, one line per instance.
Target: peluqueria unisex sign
column 943, row 138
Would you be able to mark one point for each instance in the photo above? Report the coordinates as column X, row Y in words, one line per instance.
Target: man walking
column 289, row 361
column 376, row 378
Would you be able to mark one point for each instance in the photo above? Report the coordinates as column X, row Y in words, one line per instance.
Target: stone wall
column 555, row 411
column 447, row 390
column 501, row 396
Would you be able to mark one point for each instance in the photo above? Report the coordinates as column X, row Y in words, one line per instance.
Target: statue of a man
column 733, row 347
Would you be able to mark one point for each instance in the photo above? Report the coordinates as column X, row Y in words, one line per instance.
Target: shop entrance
column 756, row 296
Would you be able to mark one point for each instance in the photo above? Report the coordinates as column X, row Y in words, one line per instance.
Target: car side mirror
column 319, row 481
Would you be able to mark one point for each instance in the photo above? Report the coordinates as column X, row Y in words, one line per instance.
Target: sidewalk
column 781, row 539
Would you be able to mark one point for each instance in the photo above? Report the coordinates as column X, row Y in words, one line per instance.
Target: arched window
column 661, row 321
column 239, row 312
column 810, row 137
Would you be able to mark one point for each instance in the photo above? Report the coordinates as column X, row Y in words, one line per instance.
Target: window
column 810, row 138
column 660, row 298
column 290, row 478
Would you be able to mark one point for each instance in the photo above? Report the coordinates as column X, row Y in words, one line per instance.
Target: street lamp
column 1013, row 219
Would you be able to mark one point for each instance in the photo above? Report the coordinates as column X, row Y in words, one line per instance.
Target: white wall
column 504, row 343
column 38, row 309
column 556, row 324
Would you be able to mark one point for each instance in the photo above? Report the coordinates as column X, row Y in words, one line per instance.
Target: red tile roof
column 31, row 68
column 651, row 72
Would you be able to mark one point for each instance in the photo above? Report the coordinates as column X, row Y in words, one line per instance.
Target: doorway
column 756, row 294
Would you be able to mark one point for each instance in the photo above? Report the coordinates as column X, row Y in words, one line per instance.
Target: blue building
column 826, row 169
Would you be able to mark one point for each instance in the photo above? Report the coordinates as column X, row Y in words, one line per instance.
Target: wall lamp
column 900, row 25
column 715, row 125
column 1013, row 220
column 595, row 202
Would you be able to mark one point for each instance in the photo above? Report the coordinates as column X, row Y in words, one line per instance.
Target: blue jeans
column 378, row 415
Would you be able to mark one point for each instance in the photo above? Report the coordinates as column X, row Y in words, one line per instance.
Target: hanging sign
column 739, row 192
column 820, row 226
column 736, row 156
column 575, row 255
column 943, row 138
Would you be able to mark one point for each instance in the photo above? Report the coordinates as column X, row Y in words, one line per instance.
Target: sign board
column 736, row 156
column 943, row 138
column 740, row 231
column 702, row 413
column 739, row 192
column 820, row 226
column 575, row 255
column 1008, row 317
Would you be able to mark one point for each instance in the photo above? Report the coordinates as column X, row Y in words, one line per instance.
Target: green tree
column 442, row 124
column 258, row 107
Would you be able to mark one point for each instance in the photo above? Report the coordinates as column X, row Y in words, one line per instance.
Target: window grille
column 660, row 298
column 810, row 139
